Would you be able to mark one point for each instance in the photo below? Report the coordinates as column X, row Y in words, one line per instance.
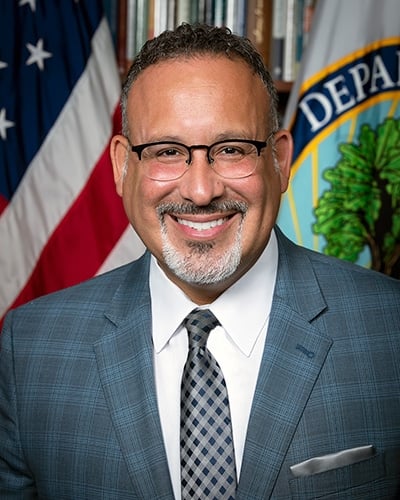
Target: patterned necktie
column 207, row 456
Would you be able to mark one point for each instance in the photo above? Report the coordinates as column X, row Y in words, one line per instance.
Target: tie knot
column 199, row 324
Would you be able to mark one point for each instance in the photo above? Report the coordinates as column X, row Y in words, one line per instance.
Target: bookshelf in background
column 291, row 24
column 278, row 28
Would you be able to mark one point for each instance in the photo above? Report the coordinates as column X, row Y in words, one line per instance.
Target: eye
column 232, row 150
column 167, row 153
column 228, row 151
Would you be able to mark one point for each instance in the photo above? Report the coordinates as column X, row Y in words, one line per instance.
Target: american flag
column 60, row 219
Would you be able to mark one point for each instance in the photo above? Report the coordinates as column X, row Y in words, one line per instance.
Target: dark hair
column 190, row 40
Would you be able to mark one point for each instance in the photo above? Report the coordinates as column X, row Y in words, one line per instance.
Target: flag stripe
column 3, row 204
column 98, row 218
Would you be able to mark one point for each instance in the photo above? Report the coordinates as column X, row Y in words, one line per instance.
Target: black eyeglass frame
column 259, row 145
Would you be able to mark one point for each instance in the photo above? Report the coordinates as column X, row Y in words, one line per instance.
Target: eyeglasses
column 231, row 159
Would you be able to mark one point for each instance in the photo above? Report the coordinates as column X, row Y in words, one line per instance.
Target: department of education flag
column 344, row 114
column 60, row 219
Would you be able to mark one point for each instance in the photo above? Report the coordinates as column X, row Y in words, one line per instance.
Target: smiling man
column 227, row 362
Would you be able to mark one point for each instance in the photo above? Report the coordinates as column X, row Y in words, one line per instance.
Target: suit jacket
column 78, row 410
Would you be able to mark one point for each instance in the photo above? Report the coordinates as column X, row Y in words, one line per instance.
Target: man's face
column 205, row 231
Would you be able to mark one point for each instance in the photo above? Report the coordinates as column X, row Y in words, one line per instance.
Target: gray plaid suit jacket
column 78, row 410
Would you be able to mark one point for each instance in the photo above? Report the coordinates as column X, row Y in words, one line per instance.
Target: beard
column 202, row 263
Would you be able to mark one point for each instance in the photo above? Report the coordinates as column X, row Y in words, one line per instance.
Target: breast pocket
column 334, row 483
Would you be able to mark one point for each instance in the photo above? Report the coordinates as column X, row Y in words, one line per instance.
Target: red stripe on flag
column 3, row 203
column 85, row 236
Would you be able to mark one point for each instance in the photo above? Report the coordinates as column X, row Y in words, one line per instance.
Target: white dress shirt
column 243, row 311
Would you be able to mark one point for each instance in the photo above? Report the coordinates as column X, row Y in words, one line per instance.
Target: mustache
column 193, row 209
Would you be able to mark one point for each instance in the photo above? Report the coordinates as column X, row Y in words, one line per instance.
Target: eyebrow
column 230, row 134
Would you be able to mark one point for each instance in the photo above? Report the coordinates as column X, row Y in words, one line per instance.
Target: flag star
column 37, row 54
column 32, row 4
column 4, row 124
column 3, row 64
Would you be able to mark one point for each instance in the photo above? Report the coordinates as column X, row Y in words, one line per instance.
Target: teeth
column 202, row 226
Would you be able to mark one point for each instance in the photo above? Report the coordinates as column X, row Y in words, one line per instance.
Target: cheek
column 141, row 197
column 143, row 204
column 263, row 197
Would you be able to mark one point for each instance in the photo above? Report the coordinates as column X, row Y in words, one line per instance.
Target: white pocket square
column 332, row 461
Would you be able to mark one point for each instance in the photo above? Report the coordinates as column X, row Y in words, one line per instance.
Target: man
column 307, row 346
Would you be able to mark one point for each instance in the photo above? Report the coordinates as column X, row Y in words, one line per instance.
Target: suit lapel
column 125, row 361
column 294, row 354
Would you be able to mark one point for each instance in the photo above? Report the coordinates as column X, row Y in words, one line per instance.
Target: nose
column 201, row 184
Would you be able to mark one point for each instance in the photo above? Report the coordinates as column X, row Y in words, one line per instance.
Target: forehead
column 207, row 69
column 197, row 99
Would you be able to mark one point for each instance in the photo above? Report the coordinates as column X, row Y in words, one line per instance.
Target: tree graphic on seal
column 362, row 208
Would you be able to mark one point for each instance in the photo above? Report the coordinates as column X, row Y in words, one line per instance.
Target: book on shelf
column 291, row 22
column 276, row 59
column 258, row 25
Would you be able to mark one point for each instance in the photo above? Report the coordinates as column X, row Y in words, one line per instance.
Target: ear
column 284, row 153
column 119, row 158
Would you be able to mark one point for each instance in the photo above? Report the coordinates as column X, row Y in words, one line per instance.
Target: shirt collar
column 243, row 309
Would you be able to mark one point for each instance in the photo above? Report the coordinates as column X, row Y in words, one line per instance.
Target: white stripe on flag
column 128, row 248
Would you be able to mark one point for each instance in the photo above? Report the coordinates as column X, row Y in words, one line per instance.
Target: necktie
column 207, row 456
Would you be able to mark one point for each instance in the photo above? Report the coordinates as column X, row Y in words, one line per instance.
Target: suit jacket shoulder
column 122, row 288
column 311, row 280
column 78, row 392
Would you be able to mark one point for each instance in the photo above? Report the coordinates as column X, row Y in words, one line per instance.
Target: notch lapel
column 125, row 362
column 294, row 354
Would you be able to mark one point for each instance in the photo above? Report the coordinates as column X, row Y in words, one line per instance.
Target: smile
column 202, row 226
